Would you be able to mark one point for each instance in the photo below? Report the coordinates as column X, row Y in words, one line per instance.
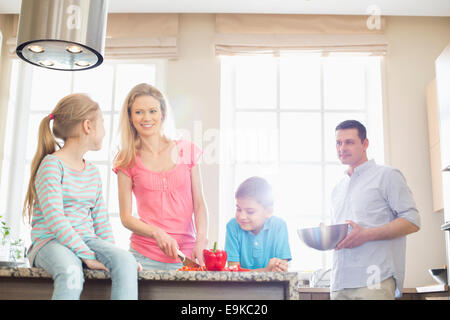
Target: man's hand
column 355, row 238
column 399, row 227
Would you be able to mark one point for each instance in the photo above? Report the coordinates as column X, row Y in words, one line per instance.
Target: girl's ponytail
column 69, row 112
column 46, row 145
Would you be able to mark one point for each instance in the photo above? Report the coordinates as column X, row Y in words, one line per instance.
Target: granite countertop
column 290, row 277
column 20, row 272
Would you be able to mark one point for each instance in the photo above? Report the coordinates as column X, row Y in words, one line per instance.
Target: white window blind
column 272, row 34
column 133, row 36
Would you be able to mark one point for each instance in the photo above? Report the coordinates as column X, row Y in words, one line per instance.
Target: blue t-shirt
column 255, row 251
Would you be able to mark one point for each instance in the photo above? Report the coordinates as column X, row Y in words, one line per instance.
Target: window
column 39, row 92
column 278, row 116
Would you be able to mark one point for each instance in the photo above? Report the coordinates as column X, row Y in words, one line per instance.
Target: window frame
column 228, row 113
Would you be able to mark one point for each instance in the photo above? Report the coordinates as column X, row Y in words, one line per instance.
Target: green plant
column 16, row 250
column 4, row 230
column 15, row 247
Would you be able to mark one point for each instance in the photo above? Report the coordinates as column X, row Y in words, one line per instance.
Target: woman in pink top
column 165, row 178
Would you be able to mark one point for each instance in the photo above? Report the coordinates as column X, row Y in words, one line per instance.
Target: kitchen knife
column 186, row 261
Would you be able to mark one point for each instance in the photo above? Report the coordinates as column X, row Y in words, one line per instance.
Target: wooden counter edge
column 327, row 290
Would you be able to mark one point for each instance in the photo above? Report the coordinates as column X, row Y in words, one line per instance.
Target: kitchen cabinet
column 443, row 94
column 408, row 294
column 434, row 143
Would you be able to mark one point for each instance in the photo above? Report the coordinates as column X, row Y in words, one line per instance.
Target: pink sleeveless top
column 164, row 199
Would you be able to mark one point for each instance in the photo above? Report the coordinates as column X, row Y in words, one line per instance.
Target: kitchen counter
column 36, row 283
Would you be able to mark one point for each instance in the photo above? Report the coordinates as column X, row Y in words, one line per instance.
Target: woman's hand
column 277, row 265
column 197, row 252
column 166, row 243
column 94, row 264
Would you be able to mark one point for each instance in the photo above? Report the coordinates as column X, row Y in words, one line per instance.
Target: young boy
column 255, row 238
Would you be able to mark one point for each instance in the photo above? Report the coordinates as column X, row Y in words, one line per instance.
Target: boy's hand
column 277, row 265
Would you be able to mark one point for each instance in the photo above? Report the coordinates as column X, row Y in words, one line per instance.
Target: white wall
column 193, row 91
column 414, row 45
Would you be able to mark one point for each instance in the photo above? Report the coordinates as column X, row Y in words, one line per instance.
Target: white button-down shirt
column 372, row 196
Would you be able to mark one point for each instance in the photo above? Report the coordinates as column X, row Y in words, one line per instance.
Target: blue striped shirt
column 372, row 196
column 69, row 207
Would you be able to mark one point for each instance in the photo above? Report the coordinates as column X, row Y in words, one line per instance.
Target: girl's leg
column 122, row 267
column 149, row 264
column 65, row 268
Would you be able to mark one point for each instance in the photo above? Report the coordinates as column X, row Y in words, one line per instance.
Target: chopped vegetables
column 236, row 268
column 186, row 268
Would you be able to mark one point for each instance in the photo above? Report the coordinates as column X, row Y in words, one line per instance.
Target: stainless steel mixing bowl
column 323, row 237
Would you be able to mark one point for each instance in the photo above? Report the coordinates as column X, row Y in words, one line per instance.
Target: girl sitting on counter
column 64, row 201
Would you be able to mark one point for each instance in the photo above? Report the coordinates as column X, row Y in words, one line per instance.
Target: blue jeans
column 67, row 271
column 149, row 264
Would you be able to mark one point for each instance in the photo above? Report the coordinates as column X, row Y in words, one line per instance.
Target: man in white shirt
column 378, row 206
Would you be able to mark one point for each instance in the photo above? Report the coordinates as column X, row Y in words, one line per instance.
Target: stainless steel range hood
column 62, row 34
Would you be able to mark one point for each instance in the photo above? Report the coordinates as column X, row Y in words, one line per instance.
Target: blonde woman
column 70, row 224
column 165, row 178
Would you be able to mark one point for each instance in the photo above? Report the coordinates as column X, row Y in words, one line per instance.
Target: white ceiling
column 364, row 7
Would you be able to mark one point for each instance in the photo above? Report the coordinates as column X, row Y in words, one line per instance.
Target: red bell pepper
column 215, row 260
